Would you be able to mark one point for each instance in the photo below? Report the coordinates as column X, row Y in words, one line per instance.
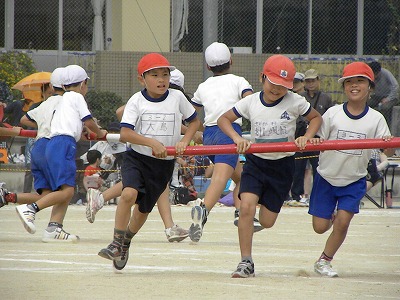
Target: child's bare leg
column 339, row 232
column 164, row 208
column 245, row 227
column 137, row 220
column 113, row 192
column 222, row 172
column 124, row 207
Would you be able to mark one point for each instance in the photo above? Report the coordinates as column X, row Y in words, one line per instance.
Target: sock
column 247, row 258
column 128, row 236
column 52, row 226
column 11, row 197
column 101, row 198
column 34, row 207
column 118, row 235
column 325, row 257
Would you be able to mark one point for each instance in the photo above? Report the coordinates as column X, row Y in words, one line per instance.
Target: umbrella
column 32, row 82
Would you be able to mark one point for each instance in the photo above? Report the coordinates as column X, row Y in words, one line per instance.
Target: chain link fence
column 323, row 34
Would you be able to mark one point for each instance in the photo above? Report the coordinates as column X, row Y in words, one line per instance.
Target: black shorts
column 148, row 175
column 271, row 180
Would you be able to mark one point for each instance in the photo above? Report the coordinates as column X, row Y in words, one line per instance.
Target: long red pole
column 268, row 147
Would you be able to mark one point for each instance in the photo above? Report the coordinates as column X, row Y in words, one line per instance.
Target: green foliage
column 14, row 66
column 394, row 31
column 103, row 106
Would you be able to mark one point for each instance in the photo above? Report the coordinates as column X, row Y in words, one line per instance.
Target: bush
column 13, row 67
column 103, row 106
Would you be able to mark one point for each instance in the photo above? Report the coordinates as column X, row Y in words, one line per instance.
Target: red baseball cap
column 280, row 70
column 357, row 69
column 153, row 61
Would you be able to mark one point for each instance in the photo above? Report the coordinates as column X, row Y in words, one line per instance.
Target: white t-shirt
column 160, row 118
column 69, row 115
column 43, row 114
column 342, row 167
column 218, row 94
column 272, row 122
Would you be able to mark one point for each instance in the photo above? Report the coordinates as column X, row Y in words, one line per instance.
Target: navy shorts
column 270, row 180
column 213, row 135
column 325, row 197
column 148, row 175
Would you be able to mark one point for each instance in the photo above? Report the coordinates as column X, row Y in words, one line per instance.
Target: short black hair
column 93, row 155
column 375, row 66
column 221, row 68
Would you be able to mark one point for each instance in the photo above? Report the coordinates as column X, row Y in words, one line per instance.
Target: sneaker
column 324, row 268
column 3, row 200
column 256, row 223
column 244, row 269
column 304, row 202
column 120, row 262
column 94, row 204
column 199, row 218
column 59, row 235
column 176, row 234
column 27, row 216
column 113, row 251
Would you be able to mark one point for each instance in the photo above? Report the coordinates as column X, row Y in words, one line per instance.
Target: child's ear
column 141, row 80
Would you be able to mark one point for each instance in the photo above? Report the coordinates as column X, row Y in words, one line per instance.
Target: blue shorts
column 60, row 156
column 39, row 167
column 213, row 135
column 270, row 180
column 325, row 197
column 148, row 175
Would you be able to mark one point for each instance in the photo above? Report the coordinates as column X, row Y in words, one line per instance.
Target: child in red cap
column 340, row 182
column 267, row 177
column 151, row 121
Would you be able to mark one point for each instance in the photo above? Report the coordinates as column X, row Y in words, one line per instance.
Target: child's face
column 356, row 89
column 272, row 92
column 156, row 82
column 83, row 88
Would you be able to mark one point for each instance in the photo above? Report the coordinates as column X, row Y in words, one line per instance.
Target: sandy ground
column 368, row 262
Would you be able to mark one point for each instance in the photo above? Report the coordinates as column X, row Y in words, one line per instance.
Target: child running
column 267, row 177
column 151, row 120
column 217, row 95
column 342, row 184
column 57, row 155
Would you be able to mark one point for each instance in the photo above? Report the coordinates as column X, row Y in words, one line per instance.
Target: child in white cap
column 267, row 177
column 151, row 121
column 342, row 184
column 68, row 118
column 215, row 96
column 40, row 118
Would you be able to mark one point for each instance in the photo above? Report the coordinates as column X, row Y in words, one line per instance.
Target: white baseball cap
column 177, row 78
column 217, row 54
column 74, row 74
column 56, row 77
column 299, row 76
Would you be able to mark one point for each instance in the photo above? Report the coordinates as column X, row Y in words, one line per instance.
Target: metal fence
column 325, row 34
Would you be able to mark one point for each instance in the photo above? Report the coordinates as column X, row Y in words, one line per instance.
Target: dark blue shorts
column 213, row 135
column 39, row 166
column 325, row 197
column 148, row 175
column 60, row 156
column 270, row 180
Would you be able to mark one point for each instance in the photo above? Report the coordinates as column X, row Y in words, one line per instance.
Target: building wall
column 141, row 25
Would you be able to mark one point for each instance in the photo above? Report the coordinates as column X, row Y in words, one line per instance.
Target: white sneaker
column 176, row 233
column 27, row 217
column 94, row 203
column 324, row 268
column 59, row 235
column 304, row 202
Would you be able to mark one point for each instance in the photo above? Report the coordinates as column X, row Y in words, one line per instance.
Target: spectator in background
column 320, row 101
column 385, row 95
column 92, row 173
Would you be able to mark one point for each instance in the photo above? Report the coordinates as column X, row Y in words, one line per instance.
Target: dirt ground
column 368, row 262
